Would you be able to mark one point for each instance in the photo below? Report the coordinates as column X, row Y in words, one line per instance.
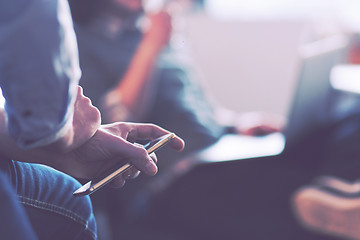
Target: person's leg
column 47, row 197
column 14, row 224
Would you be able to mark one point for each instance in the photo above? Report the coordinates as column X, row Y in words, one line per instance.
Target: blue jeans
column 52, row 210
column 14, row 223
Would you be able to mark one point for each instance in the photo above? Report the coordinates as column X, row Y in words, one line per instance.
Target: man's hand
column 258, row 123
column 113, row 145
column 250, row 123
column 94, row 149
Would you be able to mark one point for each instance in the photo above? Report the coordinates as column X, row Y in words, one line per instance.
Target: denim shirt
column 39, row 69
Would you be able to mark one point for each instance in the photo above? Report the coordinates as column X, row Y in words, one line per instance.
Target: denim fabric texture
column 52, row 210
column 14, row 223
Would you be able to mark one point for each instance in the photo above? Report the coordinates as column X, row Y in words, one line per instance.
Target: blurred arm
column 131, row 88
column 39, row 71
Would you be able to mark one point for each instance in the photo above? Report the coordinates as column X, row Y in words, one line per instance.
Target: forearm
column 131, row 86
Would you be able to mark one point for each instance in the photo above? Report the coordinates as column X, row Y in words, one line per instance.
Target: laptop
column 306, row 113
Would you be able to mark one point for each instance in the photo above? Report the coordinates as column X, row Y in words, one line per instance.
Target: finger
column 118, row 182
column 140, row 159
column 151, row 131
column 119, row 148
column 131, row 173
column 153, row 157
column 134, row 132
column 150, row 166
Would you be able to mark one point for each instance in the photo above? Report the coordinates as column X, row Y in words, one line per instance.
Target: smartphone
column 96, row 184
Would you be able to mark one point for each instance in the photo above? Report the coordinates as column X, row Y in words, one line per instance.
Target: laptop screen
column 309, row 106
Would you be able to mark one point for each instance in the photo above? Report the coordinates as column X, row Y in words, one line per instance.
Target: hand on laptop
column 251, row 123
column 258, row 123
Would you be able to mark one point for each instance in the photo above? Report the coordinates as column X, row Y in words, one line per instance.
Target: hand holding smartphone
column 95, row 185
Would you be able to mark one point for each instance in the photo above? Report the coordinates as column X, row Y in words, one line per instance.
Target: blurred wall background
column 247, row 51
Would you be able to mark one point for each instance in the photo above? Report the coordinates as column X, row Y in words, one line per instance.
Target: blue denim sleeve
column 39, row 69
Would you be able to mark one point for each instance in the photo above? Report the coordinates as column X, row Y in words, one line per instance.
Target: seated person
column 50, row 133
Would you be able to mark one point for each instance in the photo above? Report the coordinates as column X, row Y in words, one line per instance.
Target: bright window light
column 283, row 8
